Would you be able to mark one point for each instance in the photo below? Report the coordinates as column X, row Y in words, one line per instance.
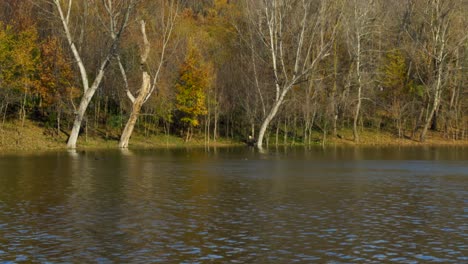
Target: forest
column 276, row 71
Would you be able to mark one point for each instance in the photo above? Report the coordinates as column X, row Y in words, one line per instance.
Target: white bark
column 88, row 92
column 148, row 83
column 291, row 66
column 359, row 84
column 440, row 26
column 136, row 108
column 266, row 122
column 359, row 28
column 137, row 102
column 65, row 22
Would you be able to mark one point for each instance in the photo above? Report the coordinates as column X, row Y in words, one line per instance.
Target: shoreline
column 31, row 138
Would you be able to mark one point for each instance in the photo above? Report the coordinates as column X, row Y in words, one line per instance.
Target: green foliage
column 164, row 110
column 416, row 89
column 394, row 73
column 191, row 87
column 395, row 77
column 114, row 121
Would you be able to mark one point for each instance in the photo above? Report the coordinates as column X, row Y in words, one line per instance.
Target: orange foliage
column 56, row 75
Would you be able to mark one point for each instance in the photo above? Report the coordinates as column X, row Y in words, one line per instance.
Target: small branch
column 146, row 44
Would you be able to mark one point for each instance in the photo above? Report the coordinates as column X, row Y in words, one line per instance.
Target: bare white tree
column 360, row 25
column 442, row 45
column 118, row 18
column 149, row 81
column 297, row 37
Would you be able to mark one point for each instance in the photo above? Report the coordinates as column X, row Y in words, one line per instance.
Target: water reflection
column 402, row 205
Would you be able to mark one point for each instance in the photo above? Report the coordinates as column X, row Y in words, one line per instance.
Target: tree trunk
column 252, row 129
column 71, row 144
column 59, row 112
column 23, row 110
column 4, row 114
column 86, row 129
column 441, row 24
column 358, row 73
column 428, row 121
column 435, row 105
column 147, row 87
column 334, row 89
column 277, row 135
column 356, row 117
column 136, row 108
column 215, row 124
column 266, row 122
column 290, row 68
column 311, row 124
column 285, row 131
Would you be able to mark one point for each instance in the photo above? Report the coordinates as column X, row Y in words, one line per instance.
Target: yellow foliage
column 191, row 87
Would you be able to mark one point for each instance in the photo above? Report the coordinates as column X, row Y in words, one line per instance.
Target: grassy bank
column 27, row 136
column 31, row 137
column 369, row 137
column 380, row 138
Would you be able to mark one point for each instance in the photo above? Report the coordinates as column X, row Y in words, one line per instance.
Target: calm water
column 336, row 205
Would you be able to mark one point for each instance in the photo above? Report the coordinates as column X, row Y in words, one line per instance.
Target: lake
column 235, row 205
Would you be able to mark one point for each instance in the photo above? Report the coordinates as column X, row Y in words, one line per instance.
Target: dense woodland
column 271, row 69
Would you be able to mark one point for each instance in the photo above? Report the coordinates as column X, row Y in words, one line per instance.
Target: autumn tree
column 191, row 88
column 395, row 86
column 19, row 58
column 55, row 91
column 37, row 64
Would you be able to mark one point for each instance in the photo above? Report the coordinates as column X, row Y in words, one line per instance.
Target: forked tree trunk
column 290, row 69
column 148, row 83
column 88, row 92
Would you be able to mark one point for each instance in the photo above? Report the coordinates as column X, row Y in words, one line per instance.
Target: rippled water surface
column 333, row 205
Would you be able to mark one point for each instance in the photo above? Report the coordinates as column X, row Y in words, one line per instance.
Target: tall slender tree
column 360, row 28
column 191, row 89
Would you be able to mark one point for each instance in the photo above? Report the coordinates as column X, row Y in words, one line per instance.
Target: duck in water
column 250, row 141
